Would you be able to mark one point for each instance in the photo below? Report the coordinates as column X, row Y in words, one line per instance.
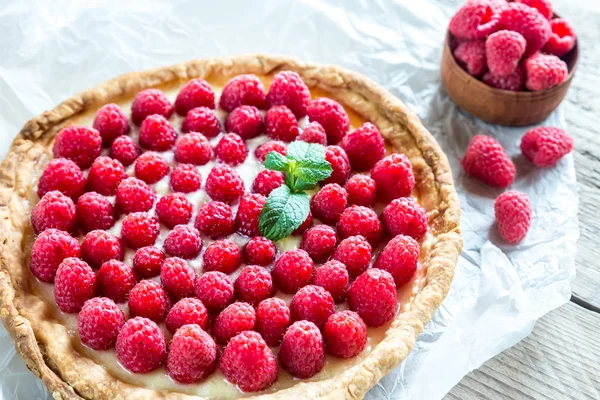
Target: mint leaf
column 312, row 170
column 276, row 162
column 300, row 151
column 282, row 213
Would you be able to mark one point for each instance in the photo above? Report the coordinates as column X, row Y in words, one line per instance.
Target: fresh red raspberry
column 308, row 222
column 100, row 246
column 266, row 181
column 355, row 253
column 246, row 218
column 332, row 117
column 514, row 82
column 364, row 146
column 288, row 89
column 147, row 261
column 475, row 20
column 361, row 190
column 80, row 144
column 333, row 277
column 193, row 148
column 236, row 318
column 215, row 220
column 215, row 290
column 293, row 270
column 231, row 149
column 340, row 164
column 62, row 175
column 95, row 211
column 471, row 56
column 134, row 195
column 527, row 21
column 50, row 248
column 99, row 323
column 259, row 251
column 562, row 39
column 74, row 284
column 192, row 355
column 187, row 311
column 399, row 257
column 281, row 124
column 202, row 120
column 272, row 319
column 105, row 175
column 246, row 121
column 115, row 280
column 54, row 210
column 359, row 220
column 196, row 93
column 254, row 284
column 149, row 299
column 543, row 6
column 149, row 102
column 545, row 71
column 313, row 133
column 183, row 241
column 125, row 150
column 156, row 133
column 185, row 178
column 178, row 277
column 249, row 363
column 174, row 209
column 373, row 296
column 394, row 177
column 223, row 256
column 302, row 351
column 486, row 160
column 329, row 203
column 243, row 90
column 111, row 122
column 545, row 146
column 224, row 184
column 139, row 229
column 151, row 167
column 319, row 242
column 141, row 345
column 312, row 303
column 405, row 216
column 265, row 148
column 513, row 214
column 504, row 50
column 345, row 334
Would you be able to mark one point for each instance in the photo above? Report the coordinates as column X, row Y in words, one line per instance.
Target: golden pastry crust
column 45, row 344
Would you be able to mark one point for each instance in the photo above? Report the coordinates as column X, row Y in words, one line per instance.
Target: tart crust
column 45, row 344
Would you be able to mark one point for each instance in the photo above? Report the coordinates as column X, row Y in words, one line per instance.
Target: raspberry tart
column 224, row 228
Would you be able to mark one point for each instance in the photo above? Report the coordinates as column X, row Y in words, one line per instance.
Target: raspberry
column 151, row 167
column 100, row 246
column 156, row 133
column 543, row 6
column 266, row 181
column 281, row 124
column 215, row 290
column 139, row 229
column 148, row 299
column 486, row 160
column 147, row 261
column 149, row 102
column 312, row 303
column 243, row 90
column 62, row 175
column 293, row 270
column 236, row 318
column 178, row 277
column 75, row 283
column 231, row 149
column 514, row 81
column 95, row 211
column 202, row 120
column 254, row 284
column 272, row 319
column 313, row 133
column 373, row 296
column 302, row 352
column 405, row 216
column 475, row 20
column 329, row 203
column 125, row 150
column 54, row 210
column 528, row 22
column 134, row 195
column 394, row 177
column 355, row 253
column 361, row 189
column 399, row 257
column 333, row 277
column 562, row 39
column 504, row 50
column 246, row 218
column 105, row 175
column 183, row 241
column 332, row 117
column 359, row 220
column 141, row 345
column 248, row 362
column 545, row 71
column 192, row 355
column 259, row 251
column 319, row 242
column 545, row 146
column 304, row 226
column 246, row 121
column 174, row 209
column 80, row 144
column 224, row 184
column 111, row 122
column 364, row 146
column 265, row 148
column 187, row 311
column 223, row 256
column 215, row 219
column 471, row 56
column 99, row 323
column 340, row 164
column 115, row 280
column 513, row 214
column 50, row 248
column 288, row 89
column 345, row 334
column 196, row 93
column 185, row 178
column 193, row 148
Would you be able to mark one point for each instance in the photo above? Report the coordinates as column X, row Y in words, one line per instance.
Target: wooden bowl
column 498, row 106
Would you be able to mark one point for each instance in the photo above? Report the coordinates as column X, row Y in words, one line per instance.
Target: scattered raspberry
column 405, row 216
column 224, row 184
column 147, row 261
column 187, row 311
column 329, row 203
column 288, row 89
column 527, row 21
column 148, row 299
column 149, row 102
column 80, row 144
column 486, row 160
column 475, row 20
column 355, row 253
column 215, row 290
column 302, row 352
column 174, row 209
column 399, row 257
column 193, row 148
column 231, row 149
column 313, row 133
column 183, row 241
column 312, row 303
column 543, row 6
column 115, row 280
column 281, row 124
column 141, row 345
column 215, row 220
column 340, row 164
column 266, row 181
column 99, row 323
column 373, row 296
column 346, row 334
column 178, row 277
column 62, row 175
column 75, row 283
column 259, row 251
column 545, row 71
column 332, row 117
column 562, row 39
column 504, row 50
column 223, row 256
column 100, row 246
column 545, row 146
column 243, row 90
column 125, row 150
column 359, row 220
column 254, row 284
column 319, row 242
column 246, row 218
column 514, row 81
column 95, row 211
column 139, row 229
column 111, row 122
column 54, row 210
column 156, row 133
column 471, row 56
column 105, row 175
column 134, row 195
column 265, row 148
column 364, row 146
column 236, row 318
column 192, row 355
column 196, row 93
column 333, row 277
column 293, row 270
column 272, row 319
column 513, row 214
column 202, row 120
column 361, row 189
column 246, row 121
column 304, row 226
column 151, row 167
column 50, row 248
column 186, row 178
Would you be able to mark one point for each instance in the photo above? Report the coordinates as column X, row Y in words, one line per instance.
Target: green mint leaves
column 287, row 207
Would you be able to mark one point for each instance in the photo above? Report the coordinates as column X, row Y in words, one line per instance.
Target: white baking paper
column 52, row 50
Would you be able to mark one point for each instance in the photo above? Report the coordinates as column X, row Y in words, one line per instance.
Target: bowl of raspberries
column 508, row 63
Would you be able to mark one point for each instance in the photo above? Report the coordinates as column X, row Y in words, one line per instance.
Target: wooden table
column 561, row 358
